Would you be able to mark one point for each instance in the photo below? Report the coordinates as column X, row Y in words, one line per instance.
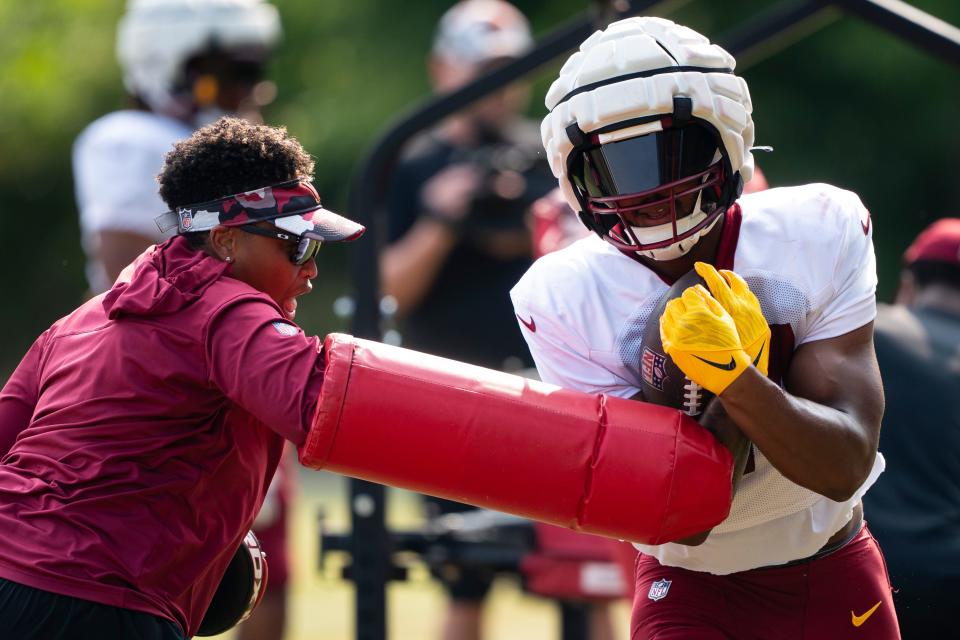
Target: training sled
column 593, row 463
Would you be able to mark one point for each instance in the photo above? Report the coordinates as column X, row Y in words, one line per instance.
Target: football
column 662, row 382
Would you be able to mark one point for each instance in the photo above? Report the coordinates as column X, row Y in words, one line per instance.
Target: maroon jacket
column 140, row 432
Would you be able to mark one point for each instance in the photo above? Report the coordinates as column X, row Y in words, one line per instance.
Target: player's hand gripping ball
column 733, row 294
column 702, row 337
column 661, row 380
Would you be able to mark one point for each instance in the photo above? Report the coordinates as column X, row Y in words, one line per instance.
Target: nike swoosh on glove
column 701, row 337
column 733, row 294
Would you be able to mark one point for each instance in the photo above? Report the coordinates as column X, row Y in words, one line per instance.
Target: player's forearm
column 720, row 424
column 815, row 446
column 409, row 267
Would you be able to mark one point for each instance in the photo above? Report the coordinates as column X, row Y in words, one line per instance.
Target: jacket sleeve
column 266, row 365
column 19, row 396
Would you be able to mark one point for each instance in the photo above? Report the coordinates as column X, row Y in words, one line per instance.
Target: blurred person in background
column 185, row 63
column 914, row 509
column 457, row 236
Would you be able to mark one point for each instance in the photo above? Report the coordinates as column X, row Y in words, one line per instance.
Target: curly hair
column 230, row 156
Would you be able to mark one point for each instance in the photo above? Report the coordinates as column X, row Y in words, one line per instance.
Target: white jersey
column 116, row 160
column 807, row 254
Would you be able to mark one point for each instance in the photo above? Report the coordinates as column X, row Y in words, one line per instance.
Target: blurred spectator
column 185, row 63
column 457, row 236
column 914, row 508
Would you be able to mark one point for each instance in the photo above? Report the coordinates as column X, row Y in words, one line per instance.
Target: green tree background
column 849, row 104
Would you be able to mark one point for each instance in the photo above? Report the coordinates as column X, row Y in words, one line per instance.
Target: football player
column 185, row 63
column 650, row 133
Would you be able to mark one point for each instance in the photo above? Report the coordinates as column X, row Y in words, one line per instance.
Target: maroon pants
column 843, row 595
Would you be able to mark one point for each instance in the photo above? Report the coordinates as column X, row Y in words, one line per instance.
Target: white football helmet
column 156, row 38
column 649, row 134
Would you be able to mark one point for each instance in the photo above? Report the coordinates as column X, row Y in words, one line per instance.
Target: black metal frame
column 370, row 545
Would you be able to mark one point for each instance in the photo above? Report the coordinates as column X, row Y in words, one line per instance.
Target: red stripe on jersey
column 729, row 237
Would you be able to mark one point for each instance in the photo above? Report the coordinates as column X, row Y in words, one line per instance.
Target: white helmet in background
column 649, row 134
column 156, row 39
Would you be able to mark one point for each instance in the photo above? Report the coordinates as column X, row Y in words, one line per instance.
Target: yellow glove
column 702, row 339
column 733, row 294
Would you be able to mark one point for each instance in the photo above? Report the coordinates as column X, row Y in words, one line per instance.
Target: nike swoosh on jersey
column 730, row 366
column 532, row 325
column 859, row 620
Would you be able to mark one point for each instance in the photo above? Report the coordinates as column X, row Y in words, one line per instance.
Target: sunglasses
column 303, row 249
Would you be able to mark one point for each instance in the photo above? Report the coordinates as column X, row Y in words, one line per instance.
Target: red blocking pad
column 604, row 465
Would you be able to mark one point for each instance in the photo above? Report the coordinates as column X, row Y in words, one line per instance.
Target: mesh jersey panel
column 763, row 494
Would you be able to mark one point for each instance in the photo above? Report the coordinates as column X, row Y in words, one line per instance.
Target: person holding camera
column 457, row 234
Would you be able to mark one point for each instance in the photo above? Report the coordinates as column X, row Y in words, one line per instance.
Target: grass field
column 321, row 604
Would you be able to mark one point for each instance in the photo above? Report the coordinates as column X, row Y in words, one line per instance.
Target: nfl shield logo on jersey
column 652, row 368
column 659, row 589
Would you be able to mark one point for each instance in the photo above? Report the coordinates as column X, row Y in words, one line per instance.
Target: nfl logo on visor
column 659, row 589
column 186, row 219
